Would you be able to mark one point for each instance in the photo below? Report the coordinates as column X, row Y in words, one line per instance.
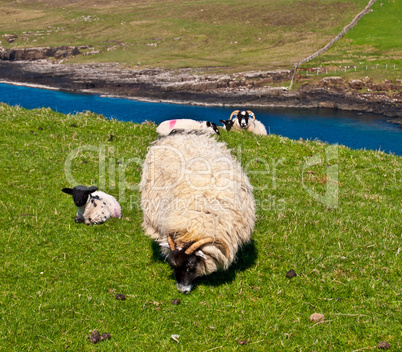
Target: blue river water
column 355, row 130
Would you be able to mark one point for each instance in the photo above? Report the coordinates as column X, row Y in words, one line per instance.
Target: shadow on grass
column 246, row 258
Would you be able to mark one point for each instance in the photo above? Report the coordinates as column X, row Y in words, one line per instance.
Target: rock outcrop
column 32, row 54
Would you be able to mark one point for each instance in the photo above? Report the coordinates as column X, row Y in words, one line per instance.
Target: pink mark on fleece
column 116, row 210
column 116, row 213
column 172, row 123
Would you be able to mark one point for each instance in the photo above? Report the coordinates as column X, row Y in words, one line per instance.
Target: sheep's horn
column 224, row 249
column 251, row 113
column 198, row 244
column 171, row 242
column 234, row 113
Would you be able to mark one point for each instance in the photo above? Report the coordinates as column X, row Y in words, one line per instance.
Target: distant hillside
column 225, row 35
column 373, row 47
column 244, row 34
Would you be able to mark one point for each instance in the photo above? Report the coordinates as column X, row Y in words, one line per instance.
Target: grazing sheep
column 166, row 127
column 197, row 203
column 242, row 121
column 93, row 207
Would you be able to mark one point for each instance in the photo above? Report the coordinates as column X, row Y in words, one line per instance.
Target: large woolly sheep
column 242, row 121
column 197, row 203
column 166, row 127
column 94, row 207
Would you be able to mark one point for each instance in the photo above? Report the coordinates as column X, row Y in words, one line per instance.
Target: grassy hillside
column 329, row 213
column 240, row 35
column 372, row 48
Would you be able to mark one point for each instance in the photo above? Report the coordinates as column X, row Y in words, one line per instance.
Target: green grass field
column 372, row 48
column 330, row 213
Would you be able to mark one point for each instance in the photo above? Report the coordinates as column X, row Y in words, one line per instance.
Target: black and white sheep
column 244, row 120
column 94, row 207
column 166, row 127
column 197, row 203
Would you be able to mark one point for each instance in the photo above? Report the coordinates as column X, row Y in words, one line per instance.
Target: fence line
column 334, row 68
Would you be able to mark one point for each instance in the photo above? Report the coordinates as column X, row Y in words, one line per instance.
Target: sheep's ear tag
column 201, row 254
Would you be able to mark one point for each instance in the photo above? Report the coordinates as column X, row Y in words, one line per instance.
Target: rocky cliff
column 247, row 89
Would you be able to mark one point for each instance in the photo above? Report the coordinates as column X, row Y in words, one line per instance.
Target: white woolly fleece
column 193, row 188
column 182, row 124
column 256, row 127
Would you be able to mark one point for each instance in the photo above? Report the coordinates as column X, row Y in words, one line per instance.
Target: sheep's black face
column 213, row 126
column 228, row 124
column 243, row 119
column 185, row 268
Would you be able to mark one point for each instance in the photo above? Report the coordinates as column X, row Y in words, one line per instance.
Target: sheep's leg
column 99, row 217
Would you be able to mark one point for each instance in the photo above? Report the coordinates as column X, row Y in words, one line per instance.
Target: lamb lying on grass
column 166, row 127
column 94, row 207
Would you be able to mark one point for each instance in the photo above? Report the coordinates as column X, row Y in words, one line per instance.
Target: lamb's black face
column 80, row 194
column 185, row 268
column 243, row 117
column 80, row 198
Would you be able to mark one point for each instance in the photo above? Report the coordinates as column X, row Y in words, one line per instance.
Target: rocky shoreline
column 186, row 86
